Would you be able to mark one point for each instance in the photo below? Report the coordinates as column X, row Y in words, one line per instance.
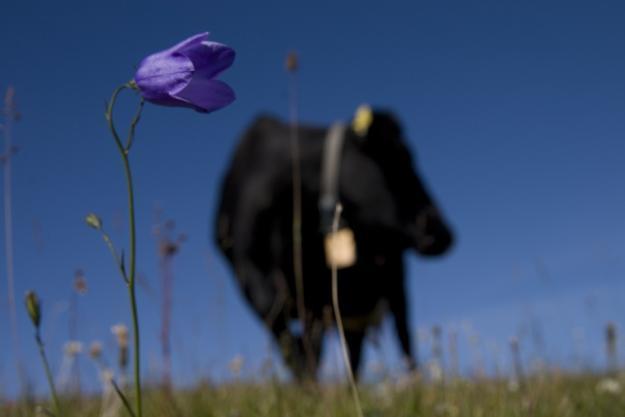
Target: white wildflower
column 236, row 364
column 435, row 371
column 121, row 333
column 609, row 386
column 73, row 348
column 513, row 385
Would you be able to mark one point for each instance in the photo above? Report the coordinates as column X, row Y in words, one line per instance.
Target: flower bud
column 94, row 221
column 33, row 306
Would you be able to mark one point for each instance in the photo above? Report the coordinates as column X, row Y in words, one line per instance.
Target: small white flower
column 107, row 375
column 236, row 364
column 446, row 409
column 513, row 385
column 435, row 371
column 407, row 382
column 121, row 333
column 384, row 392
column 73, row 348
column 40, row 411
column 609, row 386
column 376, row 368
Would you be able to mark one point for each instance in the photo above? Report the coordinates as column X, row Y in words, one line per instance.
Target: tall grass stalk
column 167, row 248
column 166, row 307
column 10, row 115
column 610, row 348
column 33, row 308
column 296, row 173
column 46, row 366
column 339, row 320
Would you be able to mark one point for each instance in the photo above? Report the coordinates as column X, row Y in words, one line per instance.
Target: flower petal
column 207, row 95
column 161, row 74
column 171, row 101
column 209, row 58
column 189, row 42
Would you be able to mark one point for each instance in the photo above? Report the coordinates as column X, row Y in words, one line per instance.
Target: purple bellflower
column 184, row 75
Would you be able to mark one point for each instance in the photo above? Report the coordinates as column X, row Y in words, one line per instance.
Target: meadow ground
column 548, row 395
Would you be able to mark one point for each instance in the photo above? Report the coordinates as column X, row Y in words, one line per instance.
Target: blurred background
column 515, row 111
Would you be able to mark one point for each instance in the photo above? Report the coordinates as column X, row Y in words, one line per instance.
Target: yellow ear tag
column 362, row 120
column 340, row 248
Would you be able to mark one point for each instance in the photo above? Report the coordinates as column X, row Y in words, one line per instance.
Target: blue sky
column 515, row 110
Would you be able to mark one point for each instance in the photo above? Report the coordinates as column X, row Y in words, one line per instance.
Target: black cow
column 385, row 205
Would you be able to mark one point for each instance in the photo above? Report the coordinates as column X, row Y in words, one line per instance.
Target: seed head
column 80, row 284
column 95, row 350
column 291, row 63
column 610, row 333
column 168, row 248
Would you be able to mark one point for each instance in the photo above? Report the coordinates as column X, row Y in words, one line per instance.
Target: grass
column 548, row 395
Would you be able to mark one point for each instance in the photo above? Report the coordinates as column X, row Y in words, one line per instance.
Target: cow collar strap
column 330, row 168
column 340, row 245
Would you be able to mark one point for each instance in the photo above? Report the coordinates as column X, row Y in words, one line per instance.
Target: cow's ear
column 375, row 128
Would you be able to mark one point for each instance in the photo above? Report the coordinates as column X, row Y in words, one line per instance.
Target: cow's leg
column 312, row 340
column 269, row 303
column 293, row 353
column 354, row 339
column 399, row 310
column 268, row 299
column 255, row 263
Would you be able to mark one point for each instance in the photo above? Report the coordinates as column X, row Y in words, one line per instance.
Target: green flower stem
column 124, row 151
column 131, row 284
column 109, row 117
column 133, row 125
column 46, row 366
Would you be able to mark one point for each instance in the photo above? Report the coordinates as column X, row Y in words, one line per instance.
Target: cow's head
column 417, row 220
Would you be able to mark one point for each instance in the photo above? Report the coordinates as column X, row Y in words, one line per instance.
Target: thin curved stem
column 339, row 320
column 133, row 125
column 109, row 117
column 118, row 261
